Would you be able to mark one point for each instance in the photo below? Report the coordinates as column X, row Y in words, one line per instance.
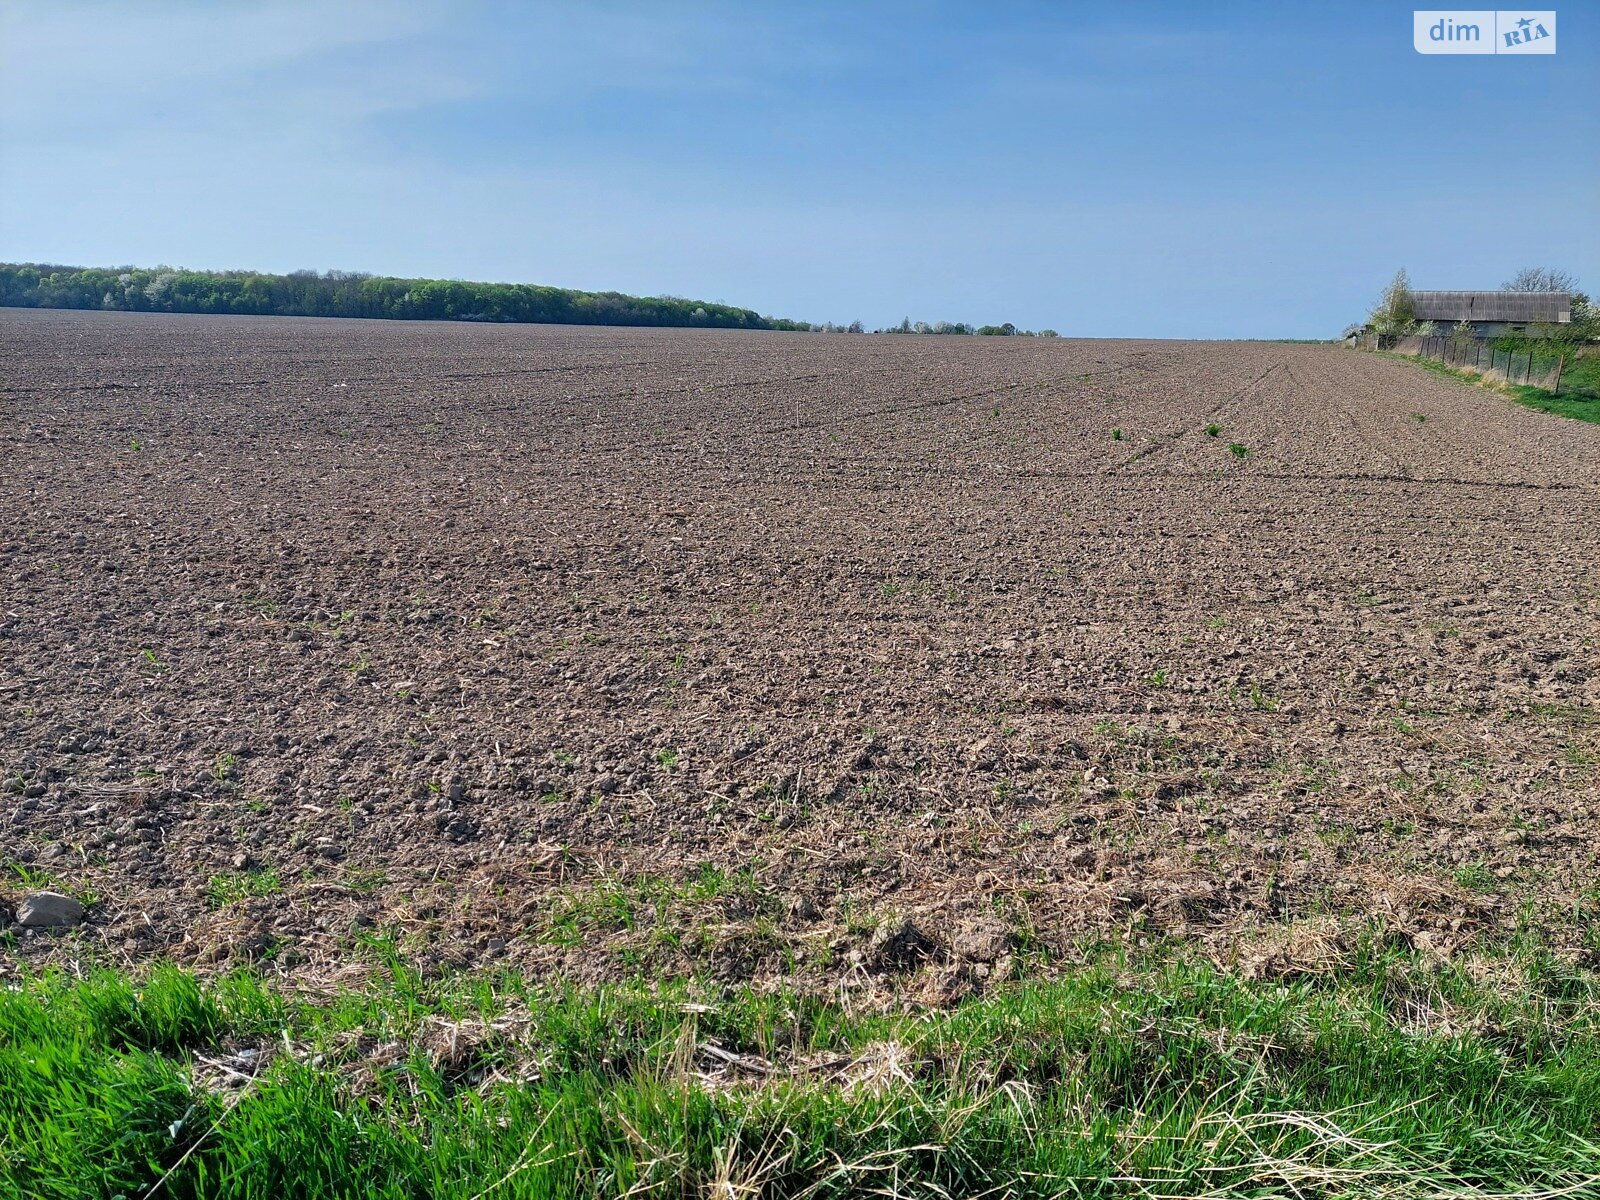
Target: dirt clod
column 898, row 945
column 982, row 941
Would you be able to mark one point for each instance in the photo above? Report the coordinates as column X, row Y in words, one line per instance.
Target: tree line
column 352, row 294
column 947, row 327
column 349, row 293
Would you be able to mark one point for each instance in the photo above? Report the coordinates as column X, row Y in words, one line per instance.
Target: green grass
column 1174, row 1079
column 1476, row 877
column 1580, row 392
column 647, row 901
column 1580, row 386
column 1581, row 377
column 231, row 886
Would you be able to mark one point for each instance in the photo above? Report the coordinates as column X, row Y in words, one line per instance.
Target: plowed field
column 841, row 658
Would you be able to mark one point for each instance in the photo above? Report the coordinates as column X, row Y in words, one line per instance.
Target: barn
column 1493, row 314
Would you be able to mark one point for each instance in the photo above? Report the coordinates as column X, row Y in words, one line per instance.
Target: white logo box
column 1483, row 31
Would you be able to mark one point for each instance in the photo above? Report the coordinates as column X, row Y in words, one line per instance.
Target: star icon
column 1525, row 22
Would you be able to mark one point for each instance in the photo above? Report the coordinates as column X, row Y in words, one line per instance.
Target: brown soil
column 611, row 650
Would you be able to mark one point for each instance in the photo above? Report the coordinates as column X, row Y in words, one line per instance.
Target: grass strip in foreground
column 1170, row 1081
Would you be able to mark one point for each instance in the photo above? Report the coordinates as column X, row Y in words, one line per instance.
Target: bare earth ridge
column 847, row 659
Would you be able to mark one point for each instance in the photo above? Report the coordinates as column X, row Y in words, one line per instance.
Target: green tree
column 1585, row 325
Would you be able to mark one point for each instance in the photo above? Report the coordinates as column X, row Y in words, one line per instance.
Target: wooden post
column 1560, row 362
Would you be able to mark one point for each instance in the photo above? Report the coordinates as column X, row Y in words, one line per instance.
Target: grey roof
column 1553, row 307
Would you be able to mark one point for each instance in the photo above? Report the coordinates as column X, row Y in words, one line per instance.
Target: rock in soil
column 49, row 910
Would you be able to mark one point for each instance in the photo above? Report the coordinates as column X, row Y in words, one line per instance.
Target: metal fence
column 1480, row 357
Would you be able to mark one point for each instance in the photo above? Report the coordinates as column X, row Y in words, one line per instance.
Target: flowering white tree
column 1396, row 311
column 156, row 290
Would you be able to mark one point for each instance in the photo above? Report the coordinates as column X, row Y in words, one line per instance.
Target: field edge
column 1385, row 1074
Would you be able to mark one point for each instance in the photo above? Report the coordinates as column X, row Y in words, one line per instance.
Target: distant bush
column 961, row 327
column 1544, row 341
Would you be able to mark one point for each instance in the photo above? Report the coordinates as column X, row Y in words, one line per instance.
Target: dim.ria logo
column 1484, row 31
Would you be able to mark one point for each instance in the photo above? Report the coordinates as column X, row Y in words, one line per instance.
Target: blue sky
column 1183, row 170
